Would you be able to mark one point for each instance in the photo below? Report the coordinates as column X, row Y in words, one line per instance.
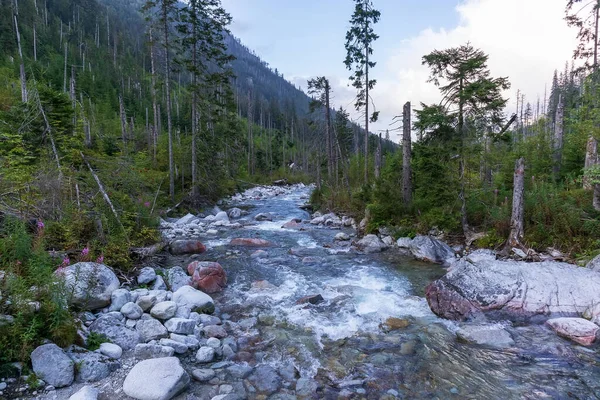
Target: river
column 340, row 341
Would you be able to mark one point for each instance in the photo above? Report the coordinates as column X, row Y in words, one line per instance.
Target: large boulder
column 195, row 299
column 578, row 330
column 594, row 264
column 51, row 364
column 371, row 244
column 514, row 289
column 116, row 330
column 151, row 329
column 89, row 284
column 156, row 379
column 186, row 246
column 210, row 277
column 429, row 249
column 251, row 242
column 91, row 366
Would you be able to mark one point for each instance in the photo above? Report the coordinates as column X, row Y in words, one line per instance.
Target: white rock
column 195, row 299
column 146, row 275
column 118, row 298
column 181, row 326
column 151, row 329
column 578, row 330
column 52, row 364
column 205, row 354
column 164, row 310
column 132, row 311
column 86, row 393
column 221, row 216
column 156, row 379
column 111, row 350
column 90, row 284
column 342, row 236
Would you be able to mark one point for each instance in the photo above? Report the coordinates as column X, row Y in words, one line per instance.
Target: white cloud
column 526, row 41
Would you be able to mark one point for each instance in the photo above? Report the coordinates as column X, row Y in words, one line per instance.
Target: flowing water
column 340, row 341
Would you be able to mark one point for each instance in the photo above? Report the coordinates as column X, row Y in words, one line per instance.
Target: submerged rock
column 514, row 288
column 252, row 242
column 265, row 379
column 578, row 330
column 487, row 335
column 188, row 246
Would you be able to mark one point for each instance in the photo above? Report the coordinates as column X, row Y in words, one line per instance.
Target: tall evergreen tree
column 469, row 93
column 359, row 41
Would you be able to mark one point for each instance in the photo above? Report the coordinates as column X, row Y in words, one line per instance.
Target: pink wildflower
column 100, row 259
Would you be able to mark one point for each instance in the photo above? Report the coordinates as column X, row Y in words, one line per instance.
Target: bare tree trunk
column 168, row 90
column 250, row 135
column 591, row 158
column 153, row 92
column 65, row 71
column 22, row 67
column 123, row 124
column 49, row 131
column 328, row 143
column 406, row 155
column 34, row 43
column 515, row 237
column 367, row 109
column 558, row 136
column 378, row 158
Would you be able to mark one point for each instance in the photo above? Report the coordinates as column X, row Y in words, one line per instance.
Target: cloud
column 526, row 41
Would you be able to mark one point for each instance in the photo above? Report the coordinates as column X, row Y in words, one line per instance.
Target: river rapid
column 342, row 342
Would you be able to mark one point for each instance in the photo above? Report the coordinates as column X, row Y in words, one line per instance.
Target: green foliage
column 94, row 340
column 37, row 298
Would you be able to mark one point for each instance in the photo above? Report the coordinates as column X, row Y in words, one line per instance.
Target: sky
column 526, row 41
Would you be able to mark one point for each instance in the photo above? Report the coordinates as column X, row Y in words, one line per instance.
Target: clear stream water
column 340, row 340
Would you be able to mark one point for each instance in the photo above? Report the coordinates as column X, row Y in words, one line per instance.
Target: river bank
column 308, row 314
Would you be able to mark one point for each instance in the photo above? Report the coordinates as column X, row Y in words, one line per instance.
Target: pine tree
column 469, row 93
column 359, row 41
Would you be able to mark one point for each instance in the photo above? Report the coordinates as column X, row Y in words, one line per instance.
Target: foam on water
column 308, row 242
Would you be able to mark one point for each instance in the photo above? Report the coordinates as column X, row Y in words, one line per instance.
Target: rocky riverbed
column 260, row 300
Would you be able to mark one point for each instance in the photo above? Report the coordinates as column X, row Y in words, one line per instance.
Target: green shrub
column 94, row 340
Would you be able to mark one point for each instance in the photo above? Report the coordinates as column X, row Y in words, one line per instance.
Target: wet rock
column 263, row 217
column 181, row 326
column 239, row 371
column 118, row 299
column 312, row 299
column 248, row 323
column 221, row 216
column 52, row 364
column 151, row 329
column 317, row 220
column 91, row 366
column 156, row 379
column 116, row 331
column 513, row 288
column 404, row 243
column 259, row 254
column 214, row 331
column 487, row 335
column 293, row 224
column 132, row 311
column 210, row 277
column 203, row 375
column 371, row 244
column 195, row 299
column 187, row 246
column 205, row 354
column 429, row 249
column 164, row 310
column 235, row 213
column 306, row 388
column 86, row 393
column 250, row 242
column 111, row 350
column 90, row 284
column 394, row 324
column 177, row 278
column 578, row 330
column 342, row 236
column 265, row 379
column 145, row 351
